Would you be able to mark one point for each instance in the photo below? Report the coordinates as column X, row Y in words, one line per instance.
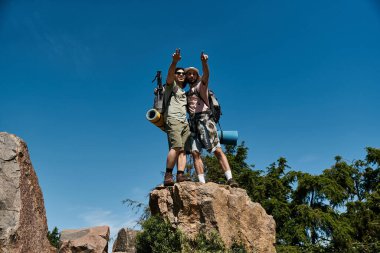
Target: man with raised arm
column 176, row 125
column 203, row 126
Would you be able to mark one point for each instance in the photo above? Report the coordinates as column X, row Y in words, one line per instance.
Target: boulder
column 85, row 240
column 23, row 225
column 125, row 241
column 194, row 207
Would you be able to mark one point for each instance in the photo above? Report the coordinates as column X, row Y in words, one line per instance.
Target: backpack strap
column 196, row 92
column 199, row 95
column 166, row 102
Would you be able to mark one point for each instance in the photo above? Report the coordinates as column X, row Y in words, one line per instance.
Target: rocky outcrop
column 89, row 240
column 23, row 225
column 194, row 207
column 125, row 241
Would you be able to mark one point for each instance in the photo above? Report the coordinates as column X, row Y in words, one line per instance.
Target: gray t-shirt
column 176, row 108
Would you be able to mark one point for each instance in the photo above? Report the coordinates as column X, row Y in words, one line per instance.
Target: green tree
column 158, row 236
column 54, row 237
column 363, row 211
column 337, row 210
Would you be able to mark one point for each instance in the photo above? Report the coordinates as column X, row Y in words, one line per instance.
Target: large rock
column 194, row 207
column 125, row 241
column 23, row 225
column 85, row 240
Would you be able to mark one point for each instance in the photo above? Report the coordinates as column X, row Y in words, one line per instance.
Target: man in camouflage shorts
column 203, row 126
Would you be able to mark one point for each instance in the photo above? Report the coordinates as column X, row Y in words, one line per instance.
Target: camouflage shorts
column 206, row 133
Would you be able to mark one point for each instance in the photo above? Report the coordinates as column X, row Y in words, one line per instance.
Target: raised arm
column 205, row 69
column 171, row 72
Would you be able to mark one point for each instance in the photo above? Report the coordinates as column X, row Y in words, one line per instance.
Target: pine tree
column 54, row 237
column 338, row 210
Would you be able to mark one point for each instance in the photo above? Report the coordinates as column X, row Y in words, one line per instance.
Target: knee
column 218, row 153
column 196, row 155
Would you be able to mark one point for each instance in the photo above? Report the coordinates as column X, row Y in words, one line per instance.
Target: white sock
column 228, row 174
column 201, row 178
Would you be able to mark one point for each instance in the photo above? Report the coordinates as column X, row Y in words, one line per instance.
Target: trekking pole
column 159, row 80
column 158, row 100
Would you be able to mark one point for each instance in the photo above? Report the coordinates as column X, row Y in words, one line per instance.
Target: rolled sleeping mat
column 156, row 118
column 228, row 137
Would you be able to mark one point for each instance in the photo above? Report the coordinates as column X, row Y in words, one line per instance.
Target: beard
column 192, row 81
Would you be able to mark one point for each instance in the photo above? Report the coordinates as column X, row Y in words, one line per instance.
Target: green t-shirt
column 176, row 107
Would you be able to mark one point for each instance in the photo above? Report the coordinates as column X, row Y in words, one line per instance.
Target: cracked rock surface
column 194, row 207
column 23, row 225
column 125, row 241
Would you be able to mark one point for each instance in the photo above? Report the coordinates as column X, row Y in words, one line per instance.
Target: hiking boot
column 182, row 178
column 231, row 182
column 168, row 179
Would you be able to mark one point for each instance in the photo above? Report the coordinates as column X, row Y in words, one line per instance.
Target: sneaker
column 182, row 178
column 168, row 179
column 231, row 182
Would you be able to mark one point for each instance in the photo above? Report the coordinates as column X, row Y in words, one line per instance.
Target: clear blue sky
column 298, row 79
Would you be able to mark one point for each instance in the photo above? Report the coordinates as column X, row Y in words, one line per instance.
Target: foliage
column 159, row 236
column 338, row 210
column 210, row 242
column 54, row 237
column 237, row 247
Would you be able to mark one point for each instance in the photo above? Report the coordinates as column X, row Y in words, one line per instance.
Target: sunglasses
column 180, row 73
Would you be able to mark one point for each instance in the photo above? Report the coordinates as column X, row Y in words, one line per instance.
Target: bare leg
column 172, row 157
column 222, row 159
column 198, row 164
column 170, row 162
column 181, row 163
column 225, row 167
